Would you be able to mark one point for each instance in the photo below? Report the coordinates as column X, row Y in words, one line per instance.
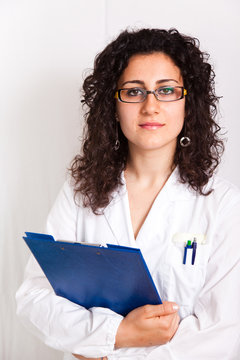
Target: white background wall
column 45, row 46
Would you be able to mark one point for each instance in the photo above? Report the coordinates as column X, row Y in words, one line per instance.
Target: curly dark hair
column 97, row 171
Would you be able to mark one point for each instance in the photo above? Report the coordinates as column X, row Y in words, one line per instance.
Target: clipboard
column 114, row 277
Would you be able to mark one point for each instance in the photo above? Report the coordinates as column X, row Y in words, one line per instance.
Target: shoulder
column 224, row 188
column 225, row 195
column 70, row 203
column 66, row 194
column 63, row 214
column 218, row 188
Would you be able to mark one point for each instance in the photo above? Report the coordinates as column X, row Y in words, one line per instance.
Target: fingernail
column 175, row 307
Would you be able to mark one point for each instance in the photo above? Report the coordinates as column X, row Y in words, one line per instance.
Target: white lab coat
column 207, row 292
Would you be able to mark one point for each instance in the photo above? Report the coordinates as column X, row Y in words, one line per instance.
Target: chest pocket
column 183, row 282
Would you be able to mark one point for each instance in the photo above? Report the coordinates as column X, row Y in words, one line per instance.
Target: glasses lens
column 169, row 93
column 133, row 95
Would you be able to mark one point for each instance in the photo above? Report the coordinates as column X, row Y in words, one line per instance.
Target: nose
column 151, row 105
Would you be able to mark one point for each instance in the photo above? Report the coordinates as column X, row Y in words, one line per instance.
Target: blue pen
column 194, row 246
column 188, row 246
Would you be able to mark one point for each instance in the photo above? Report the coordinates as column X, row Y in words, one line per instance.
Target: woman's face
column 152, row 124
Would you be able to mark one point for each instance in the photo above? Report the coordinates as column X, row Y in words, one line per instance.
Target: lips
column 151, row 125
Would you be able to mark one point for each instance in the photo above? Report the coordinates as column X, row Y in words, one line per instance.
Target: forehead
column 151, row 67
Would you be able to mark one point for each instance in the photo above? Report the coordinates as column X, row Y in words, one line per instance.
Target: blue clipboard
column 114, row 277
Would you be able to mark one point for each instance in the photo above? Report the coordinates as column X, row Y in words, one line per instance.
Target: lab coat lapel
column 160, row 214
column 118, row 218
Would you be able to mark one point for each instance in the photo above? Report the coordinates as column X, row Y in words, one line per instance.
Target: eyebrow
column 142, row 82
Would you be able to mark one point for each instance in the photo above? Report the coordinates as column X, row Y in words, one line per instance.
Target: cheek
column 178, row 114
column 125, row 111
column 126, row 115
column 126, row 127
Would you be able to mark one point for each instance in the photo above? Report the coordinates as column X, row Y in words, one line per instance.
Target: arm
column 69, row 327
column 148, row 326
column 62, row 324
column 58, row 322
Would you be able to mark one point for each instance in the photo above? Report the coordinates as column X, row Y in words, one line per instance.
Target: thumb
column 166, row 308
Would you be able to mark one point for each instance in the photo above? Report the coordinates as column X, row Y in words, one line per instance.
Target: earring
column 185, row 141
column 117, row 142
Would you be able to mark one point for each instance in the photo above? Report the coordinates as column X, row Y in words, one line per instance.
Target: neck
column 149, row 167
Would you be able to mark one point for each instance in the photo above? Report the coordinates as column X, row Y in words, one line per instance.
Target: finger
column 166, row 308
column 175, row 324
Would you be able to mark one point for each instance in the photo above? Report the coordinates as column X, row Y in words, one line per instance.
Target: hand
column 84, row 358
column 148, row 325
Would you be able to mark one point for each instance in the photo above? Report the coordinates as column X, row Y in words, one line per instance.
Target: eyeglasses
column 138, row 95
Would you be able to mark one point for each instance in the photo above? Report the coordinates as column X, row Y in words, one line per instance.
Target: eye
column 165, row 90
column 134, row 92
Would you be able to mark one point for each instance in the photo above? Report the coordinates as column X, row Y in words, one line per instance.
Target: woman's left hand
column 84, row 358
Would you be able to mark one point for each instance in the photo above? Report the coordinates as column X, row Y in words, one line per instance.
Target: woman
column 145, row 179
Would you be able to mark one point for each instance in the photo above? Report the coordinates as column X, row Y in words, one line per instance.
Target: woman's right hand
column 148, row 325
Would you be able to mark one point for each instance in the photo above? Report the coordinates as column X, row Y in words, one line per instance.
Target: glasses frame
column 147, row 92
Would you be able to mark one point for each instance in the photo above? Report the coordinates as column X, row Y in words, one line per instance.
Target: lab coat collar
column 176, row 190
column 117, row 213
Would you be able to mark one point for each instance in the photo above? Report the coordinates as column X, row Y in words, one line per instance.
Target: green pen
column 188, row 246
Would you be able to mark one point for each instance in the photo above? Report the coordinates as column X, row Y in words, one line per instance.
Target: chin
column 154, row 146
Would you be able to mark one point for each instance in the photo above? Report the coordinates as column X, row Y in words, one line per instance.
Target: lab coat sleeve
column 212, row 332
column 58, row 322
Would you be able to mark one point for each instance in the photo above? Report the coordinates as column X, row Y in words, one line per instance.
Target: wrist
column 122, row 339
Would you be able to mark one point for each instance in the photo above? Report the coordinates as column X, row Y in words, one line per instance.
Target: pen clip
column 194, row 247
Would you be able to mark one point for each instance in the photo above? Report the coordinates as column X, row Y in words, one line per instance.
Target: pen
column 188, row 246
column 194, row 247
